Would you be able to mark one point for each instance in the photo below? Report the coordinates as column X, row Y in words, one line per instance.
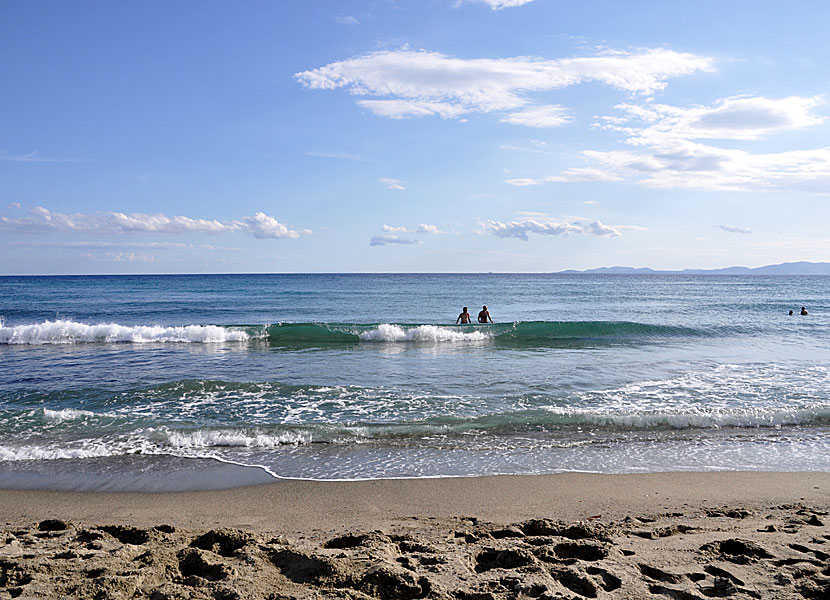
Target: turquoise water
column 365, row 376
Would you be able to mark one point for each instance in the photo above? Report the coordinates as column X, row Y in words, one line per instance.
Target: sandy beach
column 670, row 535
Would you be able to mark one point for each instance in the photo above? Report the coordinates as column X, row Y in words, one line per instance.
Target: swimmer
column 464, row 317
column 484, row 315
column 804, row 311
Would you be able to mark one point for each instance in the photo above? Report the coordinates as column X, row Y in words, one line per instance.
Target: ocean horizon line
column 821, row 269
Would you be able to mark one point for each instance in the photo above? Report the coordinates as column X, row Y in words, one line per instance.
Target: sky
column 411, row 136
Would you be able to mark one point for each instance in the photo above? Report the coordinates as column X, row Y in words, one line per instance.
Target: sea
column 184, row 382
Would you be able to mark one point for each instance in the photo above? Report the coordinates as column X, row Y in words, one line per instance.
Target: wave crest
column 386, row 332
column 73, row 332
column 203, row 438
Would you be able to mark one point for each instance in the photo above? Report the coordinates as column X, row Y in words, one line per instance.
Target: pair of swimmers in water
column 465, row 317
column 803, row 311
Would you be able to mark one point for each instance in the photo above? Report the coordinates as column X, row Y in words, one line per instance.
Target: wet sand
column 673, row 535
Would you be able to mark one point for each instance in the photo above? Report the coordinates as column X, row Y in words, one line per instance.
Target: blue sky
column 405, row 136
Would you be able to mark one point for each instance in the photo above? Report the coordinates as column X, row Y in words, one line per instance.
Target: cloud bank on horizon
column 42, row 221
column 499, row 134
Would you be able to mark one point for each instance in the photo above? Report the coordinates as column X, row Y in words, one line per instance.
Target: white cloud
column 501, row 4
column 403, row 109
column 540, row 116
column 597, row 228
column 736, row 118
column 347, row 20
column 521, row 229
column 422, row 228
column 672, row 157
column 263, row 226
column 13, row 205
column 573, row 174
column 382, row 240
column 526, row 181
column 411, row 83
column 132, row 222
column 42, row 220
column 690, row 165
column 734, row 229
column 392, row 184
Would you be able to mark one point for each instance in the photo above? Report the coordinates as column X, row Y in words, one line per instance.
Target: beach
column 337, row 436
column 571, row 535
column 400, row 300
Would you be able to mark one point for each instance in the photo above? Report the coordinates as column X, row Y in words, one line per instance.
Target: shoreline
column 131, row 473
column 565, row 536
column 163, row 473
column 296, row 505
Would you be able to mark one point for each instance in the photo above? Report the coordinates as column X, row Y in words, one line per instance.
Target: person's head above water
column 484, row 307
column 465, row 309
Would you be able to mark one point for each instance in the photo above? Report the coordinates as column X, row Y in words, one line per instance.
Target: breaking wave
column 305, row 334
column 72, row 332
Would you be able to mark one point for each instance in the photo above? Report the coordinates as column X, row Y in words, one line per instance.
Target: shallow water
column 364, row 376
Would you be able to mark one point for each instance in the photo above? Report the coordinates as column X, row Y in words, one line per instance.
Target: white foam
column 66, row 414
column 200, row 443
column 422, row 333
column 72, row 332
column 10, row 453
column 226, row 438
column 84, row 448
column 695, row 419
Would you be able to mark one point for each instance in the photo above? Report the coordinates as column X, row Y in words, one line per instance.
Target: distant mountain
column 791, row 268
